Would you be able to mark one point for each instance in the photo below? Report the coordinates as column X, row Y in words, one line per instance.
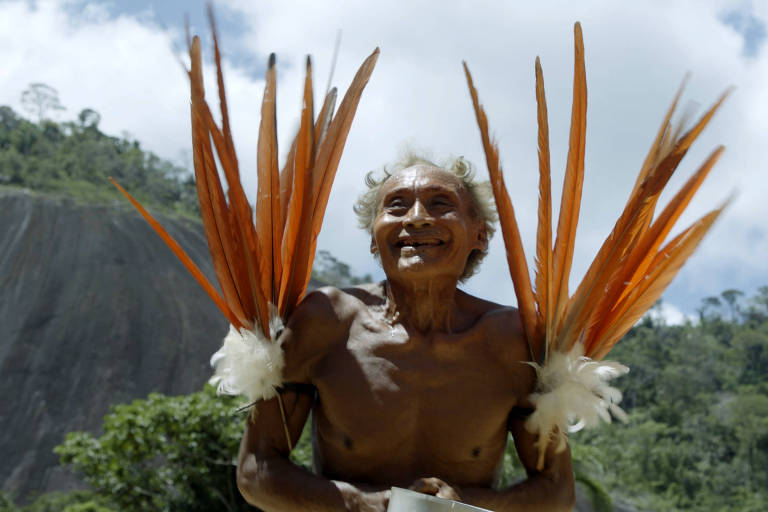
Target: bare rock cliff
column 94, row 310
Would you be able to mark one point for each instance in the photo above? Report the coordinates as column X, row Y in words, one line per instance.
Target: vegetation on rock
column 75, row 158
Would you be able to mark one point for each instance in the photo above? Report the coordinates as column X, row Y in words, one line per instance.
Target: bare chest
column 392, row 406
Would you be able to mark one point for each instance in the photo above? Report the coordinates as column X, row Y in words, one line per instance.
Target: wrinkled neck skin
column 427, row 306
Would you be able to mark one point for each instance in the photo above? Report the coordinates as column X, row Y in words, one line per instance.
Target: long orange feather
column 324, row 120
column 205, row 195
column 243, row 233
column 267, row 155
column 543, row 278
column 296, row 283
column 327, row 159
column 228, row 230
column 298, row 212
column 518, row 267
column 572, row 183
column 225, row 127
column 663, row 136
column 329, row 154
column 627, row 272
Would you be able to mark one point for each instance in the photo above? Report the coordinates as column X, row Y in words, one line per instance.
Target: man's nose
column 418, row 216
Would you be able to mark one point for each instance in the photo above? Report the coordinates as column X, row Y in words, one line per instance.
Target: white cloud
column 636, row 53
column 669, row 314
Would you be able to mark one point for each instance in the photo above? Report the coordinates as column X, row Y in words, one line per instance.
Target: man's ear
column 374, row 249
column 481, row 239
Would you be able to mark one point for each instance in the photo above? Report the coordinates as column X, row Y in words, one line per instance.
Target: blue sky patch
column 751, row 28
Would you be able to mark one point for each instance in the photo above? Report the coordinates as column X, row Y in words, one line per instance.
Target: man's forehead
column 424, row 177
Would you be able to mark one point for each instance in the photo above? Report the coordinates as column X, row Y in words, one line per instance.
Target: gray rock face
column 94, row 310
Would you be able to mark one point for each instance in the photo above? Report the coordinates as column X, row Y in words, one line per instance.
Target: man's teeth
column 405, row 243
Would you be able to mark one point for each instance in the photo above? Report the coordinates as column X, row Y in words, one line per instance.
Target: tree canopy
column 76, row 158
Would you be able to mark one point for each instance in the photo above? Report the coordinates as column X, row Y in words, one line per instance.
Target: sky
column 123, row 59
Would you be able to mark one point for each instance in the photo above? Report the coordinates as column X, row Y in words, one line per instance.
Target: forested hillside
column 76, row 158
column 697, row 438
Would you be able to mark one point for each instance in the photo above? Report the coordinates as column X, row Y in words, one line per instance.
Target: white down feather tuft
column 249, row 364
column 572, row 392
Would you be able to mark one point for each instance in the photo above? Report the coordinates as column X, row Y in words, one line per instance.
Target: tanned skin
column 418, row 383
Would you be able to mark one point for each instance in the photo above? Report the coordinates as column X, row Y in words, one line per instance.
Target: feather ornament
column 249, row 363
column 262, row 261
column 570, row 335
column 572, row 392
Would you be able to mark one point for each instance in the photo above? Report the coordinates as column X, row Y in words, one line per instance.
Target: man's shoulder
column 321, row 322
column 331, row 310
column 341, row 302
column 502, row 330
column 496, row 315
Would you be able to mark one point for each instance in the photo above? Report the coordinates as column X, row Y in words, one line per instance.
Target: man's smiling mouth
column 432, row 242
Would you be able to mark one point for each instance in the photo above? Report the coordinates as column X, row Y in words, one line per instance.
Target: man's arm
column 265, row 475
column 551, row 489
column 268, row 479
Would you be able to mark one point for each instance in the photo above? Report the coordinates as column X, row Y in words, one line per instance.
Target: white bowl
column 403, row 500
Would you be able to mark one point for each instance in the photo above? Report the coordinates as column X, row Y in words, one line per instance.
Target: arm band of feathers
column 249, row 363
column 572, row 392
column 263, row 255
column 570, row 334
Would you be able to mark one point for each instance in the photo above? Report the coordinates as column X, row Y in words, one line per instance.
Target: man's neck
column 424, row 305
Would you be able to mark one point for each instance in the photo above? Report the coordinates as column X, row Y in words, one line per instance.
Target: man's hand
column 374, row 501
column 435, row 487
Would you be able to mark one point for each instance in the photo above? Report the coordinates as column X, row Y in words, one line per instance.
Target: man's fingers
column 426, row 486
column 435, row 487
column 448, row 492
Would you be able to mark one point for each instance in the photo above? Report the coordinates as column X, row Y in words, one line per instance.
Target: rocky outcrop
column 94, row 310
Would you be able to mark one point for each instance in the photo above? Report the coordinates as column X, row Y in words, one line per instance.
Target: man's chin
column 421, row 265
column 413, row 263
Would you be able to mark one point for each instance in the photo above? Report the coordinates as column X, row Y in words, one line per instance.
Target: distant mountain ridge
column 94, row 310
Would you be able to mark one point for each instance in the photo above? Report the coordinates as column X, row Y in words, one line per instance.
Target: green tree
column 163, row 453
column 76, row 159
column 40, row 99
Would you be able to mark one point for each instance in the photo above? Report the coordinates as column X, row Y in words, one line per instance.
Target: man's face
column 424, row 224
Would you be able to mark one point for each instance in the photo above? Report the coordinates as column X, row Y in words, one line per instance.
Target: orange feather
column 201, row 147
column 329, row 153
column 298, row 213
column 660, row 145
column 628, row 274
column 572, row 184
column 544, row 232
column 518, row 267
column 324, row 120
column 266, row 157
column 248, row 259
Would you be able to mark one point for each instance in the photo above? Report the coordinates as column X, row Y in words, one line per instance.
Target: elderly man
column 411, row 382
